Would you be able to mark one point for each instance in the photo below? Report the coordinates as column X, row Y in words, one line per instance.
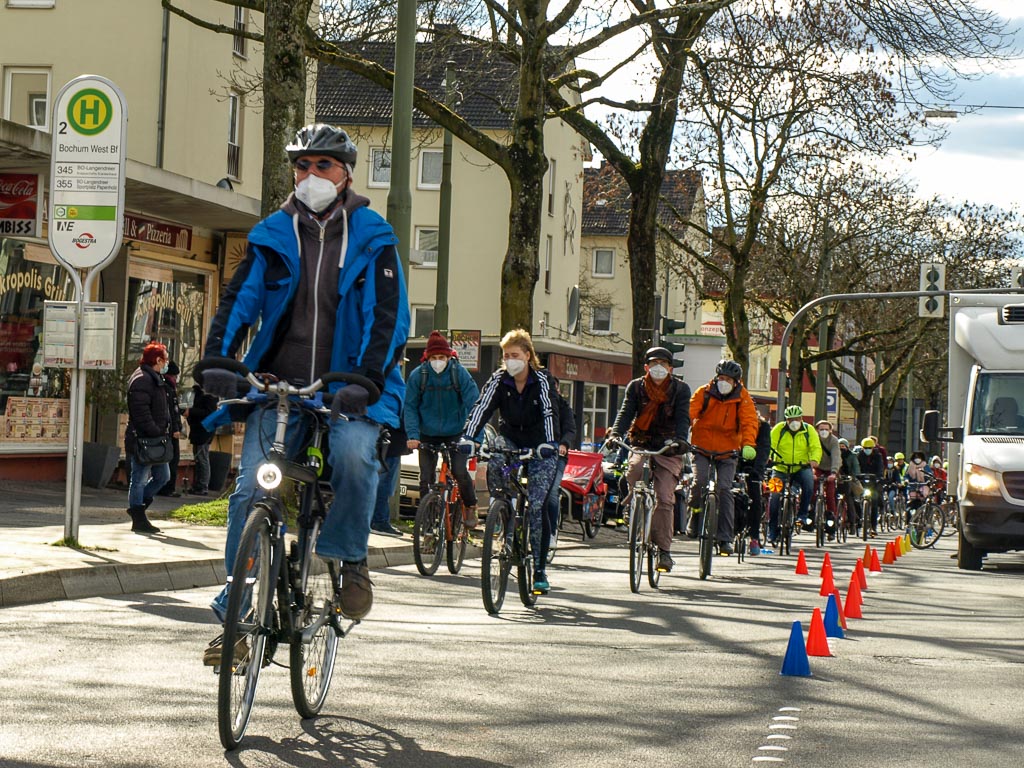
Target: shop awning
column 149, row 191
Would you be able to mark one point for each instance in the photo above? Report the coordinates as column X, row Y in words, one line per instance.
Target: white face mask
column 438, row 365
column 724, row 387
column 316, row 192
column 658, row 372
column 918, row 461
column 515, row 367
column 794, row 424
column 824, row 433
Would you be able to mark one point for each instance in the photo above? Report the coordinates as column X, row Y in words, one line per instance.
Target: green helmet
column 794, row 412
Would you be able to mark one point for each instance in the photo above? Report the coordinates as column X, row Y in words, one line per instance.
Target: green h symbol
column 89, row 106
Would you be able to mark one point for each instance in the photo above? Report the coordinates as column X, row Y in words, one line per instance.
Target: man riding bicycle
column 724, row 419
column 797, row 451
column 656, row 411
column 828, row 472
column 872, row 468
column 322, row 283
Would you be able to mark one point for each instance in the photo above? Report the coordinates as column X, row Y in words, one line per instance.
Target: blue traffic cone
column 832, row 625
column 796, row 663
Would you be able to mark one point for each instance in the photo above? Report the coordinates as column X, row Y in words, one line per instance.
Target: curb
column 135, row 578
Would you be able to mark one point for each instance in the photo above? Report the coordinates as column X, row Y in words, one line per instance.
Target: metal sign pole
column 76, row 427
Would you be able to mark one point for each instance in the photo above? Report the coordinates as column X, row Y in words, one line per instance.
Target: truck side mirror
column 931, row 432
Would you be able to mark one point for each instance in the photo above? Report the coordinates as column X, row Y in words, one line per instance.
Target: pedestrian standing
column 171, row 388
column 203, row 405
column 148, row 416
column 381, row 520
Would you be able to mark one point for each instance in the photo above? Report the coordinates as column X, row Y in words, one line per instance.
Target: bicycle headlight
column 982, row 481
column 269, row 476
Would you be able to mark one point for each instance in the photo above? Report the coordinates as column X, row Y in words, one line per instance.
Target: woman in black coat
column 148, row 416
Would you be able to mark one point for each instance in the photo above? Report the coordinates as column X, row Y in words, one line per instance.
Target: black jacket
column 566, row 421
column 527, row 419
column 671, row 422
column 148, row 411
column 202, row 406
column 757, row 467
column 871, row 465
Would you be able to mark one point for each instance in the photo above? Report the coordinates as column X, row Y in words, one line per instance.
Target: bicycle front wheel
column 788, row 518
column 926, row 526
column 497, row 556
column 524, row 562
column 455, row 547
column 819, row 522
column 637, row 517
column 248, row 622
column 708, row 532
column 315, row 643
column 428, row 534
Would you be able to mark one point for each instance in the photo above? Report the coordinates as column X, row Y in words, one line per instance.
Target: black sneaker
column 665, row 562
column 725, row 548
column 387, row 529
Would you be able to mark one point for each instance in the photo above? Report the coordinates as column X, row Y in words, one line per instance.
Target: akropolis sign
column 87, row 173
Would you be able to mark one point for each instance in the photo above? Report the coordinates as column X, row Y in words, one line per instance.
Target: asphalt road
column 595, row 676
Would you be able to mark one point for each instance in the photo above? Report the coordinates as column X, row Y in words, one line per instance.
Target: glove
column 547, row 450
column 610, row 436
column 221, row 383
column 749, row 453
column 351, row 400
column 466, row 447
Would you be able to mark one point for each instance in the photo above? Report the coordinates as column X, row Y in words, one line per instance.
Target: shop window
column 380, row 167
column 426, row 247
column 551, row 187
column 549, row 247
column 430, row 168
column 595, row 414
column 33, row 398
column 604, row 262
column 27, row 97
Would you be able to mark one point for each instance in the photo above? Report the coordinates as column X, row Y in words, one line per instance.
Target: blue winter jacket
column 433, row 405
column 372, row 320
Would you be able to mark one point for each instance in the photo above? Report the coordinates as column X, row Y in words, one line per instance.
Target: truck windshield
column 998, row 405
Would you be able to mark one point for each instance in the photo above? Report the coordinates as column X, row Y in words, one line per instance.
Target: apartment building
column 194, row 147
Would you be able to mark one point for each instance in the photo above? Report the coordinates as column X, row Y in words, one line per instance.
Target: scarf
column 656, row 395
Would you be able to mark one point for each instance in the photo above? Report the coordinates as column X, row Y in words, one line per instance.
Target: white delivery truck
column 986, row 394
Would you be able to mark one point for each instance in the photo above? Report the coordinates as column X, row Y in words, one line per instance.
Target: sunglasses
column 321, row 165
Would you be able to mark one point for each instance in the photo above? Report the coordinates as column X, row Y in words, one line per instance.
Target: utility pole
column 400, row 193
column 444, row 216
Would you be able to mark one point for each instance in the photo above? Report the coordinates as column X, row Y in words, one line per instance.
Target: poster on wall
column 467, row 345
column 21, row 204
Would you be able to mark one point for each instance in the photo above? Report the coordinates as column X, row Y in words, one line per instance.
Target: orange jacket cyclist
column 724, row 419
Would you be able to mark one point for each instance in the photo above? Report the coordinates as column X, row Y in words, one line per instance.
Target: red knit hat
column 437, row 344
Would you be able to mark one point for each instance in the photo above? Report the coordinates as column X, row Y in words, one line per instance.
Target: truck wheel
column 968, row 557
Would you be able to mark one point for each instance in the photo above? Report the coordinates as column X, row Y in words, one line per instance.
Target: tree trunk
column 284, row 94
column 641, row 242
column 521, row 268
column 734, row 315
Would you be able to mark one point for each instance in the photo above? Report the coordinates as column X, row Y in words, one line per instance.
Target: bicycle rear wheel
column 788, row 518
column 524, row 563
column 455, row 547
column 865, row 517
column 248, row 622
column 708, row 532
column 311, row 658
column 926, row 525
column 496, row 560
column 819, row 522
column 428, row 534
column 637, row 515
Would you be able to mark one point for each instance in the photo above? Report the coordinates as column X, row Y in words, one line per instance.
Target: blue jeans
column 385, row 487
column 805, row 479
column 354, row 479
column 145, row 482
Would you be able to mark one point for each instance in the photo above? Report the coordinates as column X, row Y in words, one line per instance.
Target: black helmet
column 657, row 353
column 729, row 368
column 322, row 139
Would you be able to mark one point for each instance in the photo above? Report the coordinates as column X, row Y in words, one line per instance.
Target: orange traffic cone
column 827, row 584
column 852, row 609
column 801, row 564
column 817, row 642
column 826, row 563
column 875, row 567
column 861, row 576
column 867, row 553
column 897, row 547
column 839, row 604
column 888, row 558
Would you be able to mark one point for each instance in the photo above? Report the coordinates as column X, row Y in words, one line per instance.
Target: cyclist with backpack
column 724, row 419
column 828, row 472
column 439, row 394
column 797, row 450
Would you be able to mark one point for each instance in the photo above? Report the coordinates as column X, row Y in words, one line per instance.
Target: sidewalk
column 113, row 560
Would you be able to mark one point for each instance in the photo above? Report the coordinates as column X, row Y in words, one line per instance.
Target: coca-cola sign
column 21, row 204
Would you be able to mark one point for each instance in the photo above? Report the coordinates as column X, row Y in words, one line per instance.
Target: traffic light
column 670, row 326
column 933, row 278
column 674, row 347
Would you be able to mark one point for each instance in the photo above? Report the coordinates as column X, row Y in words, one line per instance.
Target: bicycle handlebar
column 522, row 454
column 282, row 387
column 642, row 452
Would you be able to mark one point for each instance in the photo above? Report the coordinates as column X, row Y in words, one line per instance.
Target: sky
column 982, row 158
